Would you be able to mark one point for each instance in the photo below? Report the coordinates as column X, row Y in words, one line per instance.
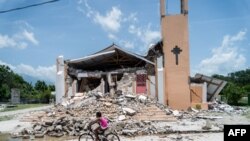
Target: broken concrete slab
column 209, row 117
column 142, row 98
column 129, row 132
column 130, row 96
column 168, row 111
column 39, row 135
column 176, row 113
column 108, row 104
column 129, row 111
column 98, row 94
column 121, row 117
column 38, row 128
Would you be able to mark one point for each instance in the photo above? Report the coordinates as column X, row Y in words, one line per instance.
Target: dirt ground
column 14, row 124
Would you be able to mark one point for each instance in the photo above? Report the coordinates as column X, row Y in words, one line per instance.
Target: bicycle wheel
column 112, row 137
column 86, row 137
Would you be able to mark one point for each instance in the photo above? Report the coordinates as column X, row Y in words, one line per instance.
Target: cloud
column 114, row 20
column 6, row 64
column 89, row 12
column 29, row 36
column 6, row 41
column 40, row 72
column 127, row 44
column 112, row 36
column 111, row 21
column 131, row 18
column 23, row 25
column 19, row 40
column 226, row 58
column 146, row 35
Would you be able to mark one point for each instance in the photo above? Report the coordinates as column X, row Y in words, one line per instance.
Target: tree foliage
column 40, row 92
column 238, row 85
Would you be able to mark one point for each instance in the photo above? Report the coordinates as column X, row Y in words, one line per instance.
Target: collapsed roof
column 110, row 58
column 214, row 85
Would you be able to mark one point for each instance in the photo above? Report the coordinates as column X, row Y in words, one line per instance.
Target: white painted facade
column 60, row 83
column 160, row 71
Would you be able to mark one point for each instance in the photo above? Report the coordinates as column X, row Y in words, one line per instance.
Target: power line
column 28, row 6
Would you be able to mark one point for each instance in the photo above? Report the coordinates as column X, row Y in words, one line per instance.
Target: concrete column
column 204, row 93
column 60, row 83
column 184, row 6
column 162, row 7
column 160, row 80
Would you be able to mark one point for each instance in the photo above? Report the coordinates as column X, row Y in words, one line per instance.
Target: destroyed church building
column 103, row 72
column 164, row 73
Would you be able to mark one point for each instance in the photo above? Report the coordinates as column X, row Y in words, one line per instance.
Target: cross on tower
column 176, row 51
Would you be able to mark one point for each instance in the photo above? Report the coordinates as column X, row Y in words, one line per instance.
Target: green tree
column 233, row 93
column 52, row 87
column 4, row 92
column 9, row 80
column 247, row 88
column 41, row 86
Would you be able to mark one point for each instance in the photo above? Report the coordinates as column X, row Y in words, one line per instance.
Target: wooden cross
column 176, row 51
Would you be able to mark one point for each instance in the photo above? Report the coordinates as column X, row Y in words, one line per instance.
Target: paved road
column 9, row 113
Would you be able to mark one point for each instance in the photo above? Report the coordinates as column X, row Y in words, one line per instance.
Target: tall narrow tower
column 174, row 30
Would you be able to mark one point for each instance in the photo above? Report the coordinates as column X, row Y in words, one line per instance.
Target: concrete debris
column 129, row 111
column 38, row 128
column 208, row 125
column 179, row 137
column 129, row 132
column 194, row 110
column 118, row 92
column 130, row 96
column 219, row 106
column 121, row 117
column 99, row 95
column 209, row 117
column 142, row 98
column 168, row 111
column 39, row 135
column 128, row 114
column 108, row 104
column 176, row 113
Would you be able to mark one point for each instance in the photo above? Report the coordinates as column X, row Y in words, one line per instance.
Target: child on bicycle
column 103, row 124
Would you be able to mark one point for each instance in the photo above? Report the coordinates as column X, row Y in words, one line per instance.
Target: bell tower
column 174, row 30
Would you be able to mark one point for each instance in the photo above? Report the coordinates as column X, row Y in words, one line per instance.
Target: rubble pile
column 219, row 106
column 126, row 83
column 128, row 114
column 73, row 116
column 56, row 127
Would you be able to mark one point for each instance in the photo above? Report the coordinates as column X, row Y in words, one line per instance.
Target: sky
column 31, row 39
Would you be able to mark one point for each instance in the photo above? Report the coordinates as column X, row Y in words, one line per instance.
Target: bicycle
column 89, row 136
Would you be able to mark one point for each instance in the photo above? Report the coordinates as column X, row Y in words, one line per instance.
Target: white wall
column 60, row 83
column 160, row 71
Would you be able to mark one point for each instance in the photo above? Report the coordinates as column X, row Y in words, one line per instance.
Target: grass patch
column 23, row 106
column 4, row 118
